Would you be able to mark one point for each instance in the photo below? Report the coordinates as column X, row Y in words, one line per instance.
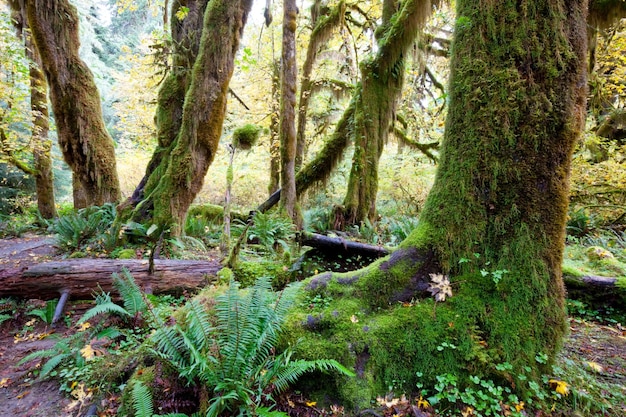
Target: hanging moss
column 382, row 78
column 174, row 181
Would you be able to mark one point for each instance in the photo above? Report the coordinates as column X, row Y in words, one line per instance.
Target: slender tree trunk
column 86, row 145
column 381, row 80
column 44, row 179
column 493, row 224
column 274, row 184
column 178, row 177
column 287, row 111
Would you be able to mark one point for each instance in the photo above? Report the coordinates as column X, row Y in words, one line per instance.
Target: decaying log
column 600, row 291
column 338, row 245
column 79, row 278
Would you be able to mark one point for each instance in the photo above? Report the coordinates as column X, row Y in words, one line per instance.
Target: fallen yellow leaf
column 88, row 352
column 596, row 367
column 311, row 403
column 4, row 382
column 84, row 326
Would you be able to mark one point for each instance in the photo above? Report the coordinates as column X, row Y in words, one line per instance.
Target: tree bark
column 44, row 178
column 287, row 112
column 85, row 143
column 493, row 224
column 83, row 277
column 179, row 178
column 274, row 184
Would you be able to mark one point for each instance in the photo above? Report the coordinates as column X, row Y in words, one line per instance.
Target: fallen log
column 338, row 245
column 79, row 278
column 596, row 290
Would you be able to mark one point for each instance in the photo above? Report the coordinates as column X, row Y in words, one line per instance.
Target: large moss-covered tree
column 191, row 137
column 493, row 224
column 86, row 145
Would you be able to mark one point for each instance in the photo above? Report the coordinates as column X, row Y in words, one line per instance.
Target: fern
column 235, row 358
column 106, row 308
column 131, row 294
column 142, row 400
column 5, row 317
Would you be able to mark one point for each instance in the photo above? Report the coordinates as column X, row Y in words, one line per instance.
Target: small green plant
column 46, row 313
column 270, row 231
column 76, row 229
column 481, row 398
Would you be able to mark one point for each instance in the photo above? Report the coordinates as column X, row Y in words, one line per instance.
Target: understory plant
column 120, row 329
column 231, row 354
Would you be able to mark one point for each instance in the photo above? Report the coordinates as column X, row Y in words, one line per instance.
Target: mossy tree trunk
column 493, row 224
column 86, row 145
column 42, row 145
column 274, row 184
column 44, row 178
column 381, row 84
column 184, row 50
column 178, row 177
column 289, row 70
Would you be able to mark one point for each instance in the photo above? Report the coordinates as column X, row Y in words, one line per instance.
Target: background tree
column 85, row 143
column 175, row 178
column 288, row 81
column 14, row 145
column 381, row 84
column 493, row 224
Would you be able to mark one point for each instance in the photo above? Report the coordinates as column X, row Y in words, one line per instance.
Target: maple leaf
column 559, row 386
column 596, row 367
column 88, row 352
column 440, row 287
column 84, row 326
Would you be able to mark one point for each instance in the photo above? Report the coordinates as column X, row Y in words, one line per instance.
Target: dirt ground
column 22, row 396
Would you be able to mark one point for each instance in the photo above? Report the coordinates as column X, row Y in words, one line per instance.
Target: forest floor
column 589, row 344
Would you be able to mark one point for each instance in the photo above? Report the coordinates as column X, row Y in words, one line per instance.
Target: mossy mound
column 247, row 272
column 213, row 213
column 246, row 136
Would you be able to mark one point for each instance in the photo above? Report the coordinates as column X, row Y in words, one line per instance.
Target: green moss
column 247, row 272
column 246, row 136
column 146, row 376
column 126, row 254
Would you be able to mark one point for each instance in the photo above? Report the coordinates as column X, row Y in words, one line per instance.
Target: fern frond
column 288, row 375
column 47, row 353
column 199, row 326
column 106, row 308
column 52, row 363
column 132, row 295
column 142, row 400
column 170, row 346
